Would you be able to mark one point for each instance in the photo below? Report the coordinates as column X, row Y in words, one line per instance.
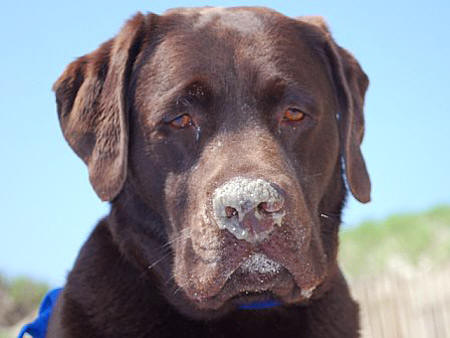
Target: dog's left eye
column 292, row 114
column 181, row 121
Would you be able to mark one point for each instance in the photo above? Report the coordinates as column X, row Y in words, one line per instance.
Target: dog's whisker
column 159, row 260
column 332, row 216
column 155, row 263
column 178, row 289
column 184, row 234
column 172, row 277
column 182, row 237
column 329, row 214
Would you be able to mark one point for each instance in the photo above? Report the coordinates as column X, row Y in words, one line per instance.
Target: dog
column 225, row 140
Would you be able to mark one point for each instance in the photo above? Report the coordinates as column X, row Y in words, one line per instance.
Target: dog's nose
column 248, row 208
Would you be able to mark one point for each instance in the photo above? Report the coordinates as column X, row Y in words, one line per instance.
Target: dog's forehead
column 243, row 21
column 230, row 46
column 246, row 20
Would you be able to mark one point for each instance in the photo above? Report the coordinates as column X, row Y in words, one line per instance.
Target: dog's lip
column 252, row 284
column 256, row 273
column 243, row 288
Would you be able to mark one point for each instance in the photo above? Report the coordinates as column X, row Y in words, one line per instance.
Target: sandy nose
column 250, row 209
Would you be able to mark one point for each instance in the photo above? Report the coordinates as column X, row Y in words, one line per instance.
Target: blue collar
column 267, row 304
column 38, row 328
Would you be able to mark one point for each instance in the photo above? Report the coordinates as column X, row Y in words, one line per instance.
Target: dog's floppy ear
column 354, row 83
column 92, row 110
column 351, row 84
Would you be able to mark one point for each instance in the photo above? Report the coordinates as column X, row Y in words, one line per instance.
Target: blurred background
column 395, row 250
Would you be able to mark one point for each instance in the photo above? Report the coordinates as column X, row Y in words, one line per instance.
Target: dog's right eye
column 181, row 121
column 293, row 114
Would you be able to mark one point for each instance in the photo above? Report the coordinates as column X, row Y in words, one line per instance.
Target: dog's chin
column 257, row 282
column 243, row 288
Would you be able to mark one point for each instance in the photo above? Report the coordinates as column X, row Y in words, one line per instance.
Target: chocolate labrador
column 225, row 140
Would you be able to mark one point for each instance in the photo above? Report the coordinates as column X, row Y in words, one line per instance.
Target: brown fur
column 158, row 265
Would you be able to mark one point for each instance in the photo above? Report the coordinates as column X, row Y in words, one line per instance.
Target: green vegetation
column 409, row 240
column 26, row 293
column 18, row 298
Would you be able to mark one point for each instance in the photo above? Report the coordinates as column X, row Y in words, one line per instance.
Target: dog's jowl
column 225, row 141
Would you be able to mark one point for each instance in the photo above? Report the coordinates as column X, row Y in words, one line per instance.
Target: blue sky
column 47, row 205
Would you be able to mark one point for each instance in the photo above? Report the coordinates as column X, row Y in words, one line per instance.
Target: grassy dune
column 405, row 241
column 19, row 298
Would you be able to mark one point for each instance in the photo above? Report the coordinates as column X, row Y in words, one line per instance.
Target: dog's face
column 218, row 135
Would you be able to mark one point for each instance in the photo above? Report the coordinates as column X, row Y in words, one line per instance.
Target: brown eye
column 181, row 121
column 292, row 114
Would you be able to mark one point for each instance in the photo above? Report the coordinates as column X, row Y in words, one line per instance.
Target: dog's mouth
column 258, row 283
column 282, row 271
column 258, row 274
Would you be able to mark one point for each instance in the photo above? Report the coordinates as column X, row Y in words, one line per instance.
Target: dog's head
column 222, row 138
